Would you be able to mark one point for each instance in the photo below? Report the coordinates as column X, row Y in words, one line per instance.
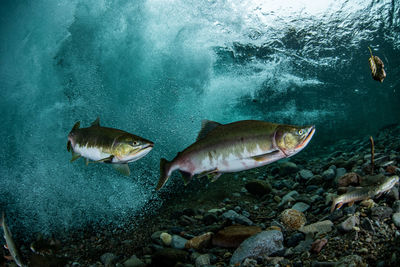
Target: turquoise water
column 156, row 69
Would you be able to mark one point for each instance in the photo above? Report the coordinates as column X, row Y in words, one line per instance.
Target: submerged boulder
column 232, row 236
column 264, row 243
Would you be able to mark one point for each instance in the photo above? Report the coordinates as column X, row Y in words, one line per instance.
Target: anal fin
column 187, row 176
column 122, row 168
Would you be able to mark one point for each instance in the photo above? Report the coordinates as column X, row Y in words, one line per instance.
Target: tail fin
column 164, row 170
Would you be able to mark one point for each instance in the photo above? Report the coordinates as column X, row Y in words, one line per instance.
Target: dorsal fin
column 206, row 127
column 96, row 123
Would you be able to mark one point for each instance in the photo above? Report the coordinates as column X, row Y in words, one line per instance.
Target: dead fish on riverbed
column 15, row 255
column 237, row 146
column 364, row 193
column 107, row 145
column 377, row 67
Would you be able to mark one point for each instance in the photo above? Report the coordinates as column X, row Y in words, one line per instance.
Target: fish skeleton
column 10, row 244
column 365, row 193
column 108, row 145
column 234, row 147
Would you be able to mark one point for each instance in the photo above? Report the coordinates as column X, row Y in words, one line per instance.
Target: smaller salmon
column 10, row 244
column 365, row 193
column 353, row 196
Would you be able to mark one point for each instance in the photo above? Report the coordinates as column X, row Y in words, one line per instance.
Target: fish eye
column 301, row 132
column 135, row 143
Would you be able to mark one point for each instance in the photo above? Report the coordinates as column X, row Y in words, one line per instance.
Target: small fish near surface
column 237, row 146
column 377, row 67
column 10, row 245
column 107, row 145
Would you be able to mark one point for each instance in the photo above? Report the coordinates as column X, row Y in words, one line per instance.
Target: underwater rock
column 210, row 218
column 349, row 224
column 232, row 236
column 178, row 242
column 203, row 260
column 351, row 261
column 235, row 217
column 293, row 219
column 305, row 174
column 264, row 243
column 295, row 239
column 301, row 206
column 396, row 206
column 329, row 174
column 108, row 259
column 200, row 241
column 168, row 257
column 317, row 228
column 134, row 262
column 340, row 172
column 258, row 187
column 381, row 212
column 155, row 237
column 45, row 261
column 396, row 219
column 287, row 167
column 166, row 239
column 289, row 197
column 350, row 178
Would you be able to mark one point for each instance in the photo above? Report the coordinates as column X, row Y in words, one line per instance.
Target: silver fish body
column 236, row 147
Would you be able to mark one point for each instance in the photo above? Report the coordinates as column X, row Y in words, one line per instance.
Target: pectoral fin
column 75, row 156
column 122, row 168
column 265, row 157
column 206, row 173
column 351, row 203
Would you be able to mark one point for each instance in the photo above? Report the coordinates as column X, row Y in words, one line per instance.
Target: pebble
column 168, row 257
column 381, row 212
column 349, row 223
column 258, row 187
column 318, row 244
column 199, row 242
column 203, row 260
column 317, row 228
column 329, row 174
column 294, row 239
column 210, row 218
column 396, row 206
column 287, row 167
column 166, row 239
column 289, row 197
column 108, row 259
column 178, row 242
column 264, row 243
column 301, row 206
column 235, row 217
column 305, row 174
column 396, row 219
column 134, row 262
column 232, row 236
column 293, row 219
